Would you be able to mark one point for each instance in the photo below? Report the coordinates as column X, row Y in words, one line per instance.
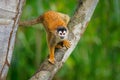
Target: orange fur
column 52, row 20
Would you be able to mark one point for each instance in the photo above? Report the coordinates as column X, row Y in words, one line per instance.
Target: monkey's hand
column 66, row 43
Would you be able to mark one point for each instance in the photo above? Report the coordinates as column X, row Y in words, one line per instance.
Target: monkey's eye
column 64, row 32
column 60, row 33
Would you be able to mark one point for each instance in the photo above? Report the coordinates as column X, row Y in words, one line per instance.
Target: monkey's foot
column 66, row 43
column 52, row 61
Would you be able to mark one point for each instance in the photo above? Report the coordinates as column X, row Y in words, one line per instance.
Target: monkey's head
column 62, row 33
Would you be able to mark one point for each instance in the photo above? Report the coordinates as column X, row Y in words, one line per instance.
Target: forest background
column 96, row 57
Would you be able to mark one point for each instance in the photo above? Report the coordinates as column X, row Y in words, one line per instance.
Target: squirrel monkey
column 55, row 24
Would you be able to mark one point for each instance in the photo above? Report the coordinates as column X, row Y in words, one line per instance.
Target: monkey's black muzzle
column 61, row 37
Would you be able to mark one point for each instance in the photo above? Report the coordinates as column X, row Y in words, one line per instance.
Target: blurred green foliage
column 96, row 57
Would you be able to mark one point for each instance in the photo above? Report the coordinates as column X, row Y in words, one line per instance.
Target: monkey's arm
column 64, row 43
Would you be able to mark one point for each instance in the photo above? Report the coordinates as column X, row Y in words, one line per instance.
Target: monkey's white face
column 62, row 33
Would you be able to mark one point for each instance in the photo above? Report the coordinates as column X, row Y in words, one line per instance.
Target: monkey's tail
column 31, row 22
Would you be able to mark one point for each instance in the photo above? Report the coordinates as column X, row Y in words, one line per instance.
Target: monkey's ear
column 65, row 17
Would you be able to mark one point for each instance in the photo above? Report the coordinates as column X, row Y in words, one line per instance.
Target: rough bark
column 77, row 26
column 10, row 11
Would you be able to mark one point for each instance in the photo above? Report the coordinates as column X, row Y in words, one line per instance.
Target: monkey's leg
column 51, row 56
column 66, row 43
column 65, row 17
column 51, row 46
column 59, row 45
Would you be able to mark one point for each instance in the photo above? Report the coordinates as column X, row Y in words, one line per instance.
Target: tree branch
column 77, row 26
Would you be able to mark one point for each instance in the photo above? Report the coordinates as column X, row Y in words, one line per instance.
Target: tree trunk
column 10, row 11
